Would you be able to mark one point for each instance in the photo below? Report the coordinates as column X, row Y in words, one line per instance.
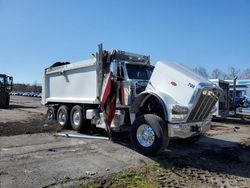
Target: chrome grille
column 205, row 102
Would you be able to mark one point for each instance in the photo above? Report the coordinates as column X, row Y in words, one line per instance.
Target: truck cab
column 167, row 94
column 132, row 78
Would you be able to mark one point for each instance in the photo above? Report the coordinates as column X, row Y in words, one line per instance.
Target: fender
column 142, row 98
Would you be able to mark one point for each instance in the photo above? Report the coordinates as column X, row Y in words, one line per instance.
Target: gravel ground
column 25, row 115
column 31, row 155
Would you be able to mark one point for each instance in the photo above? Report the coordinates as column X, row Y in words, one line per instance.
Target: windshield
column 140, row 72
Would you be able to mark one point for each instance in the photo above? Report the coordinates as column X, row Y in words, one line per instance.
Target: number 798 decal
column 191, row 85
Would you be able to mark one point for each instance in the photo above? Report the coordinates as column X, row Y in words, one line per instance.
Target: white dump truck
column 156, row 103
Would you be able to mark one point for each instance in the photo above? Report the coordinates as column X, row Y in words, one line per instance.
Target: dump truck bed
column 71, row 83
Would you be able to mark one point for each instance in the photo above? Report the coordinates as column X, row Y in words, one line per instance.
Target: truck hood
column 176, row 81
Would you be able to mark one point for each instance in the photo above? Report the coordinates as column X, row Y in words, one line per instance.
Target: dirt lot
column 26, row 115
column 32, row 156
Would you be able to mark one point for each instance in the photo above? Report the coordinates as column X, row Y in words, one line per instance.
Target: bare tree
column 27, row 88
column 233, row 72
column 245, row 74
column 217, row 73
column 201, row 71
column 224, row 76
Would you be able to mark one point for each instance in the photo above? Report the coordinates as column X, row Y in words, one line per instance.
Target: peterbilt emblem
column 191, row 85
column 173, row 83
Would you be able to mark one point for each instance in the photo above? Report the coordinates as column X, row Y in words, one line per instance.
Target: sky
column 36, row 33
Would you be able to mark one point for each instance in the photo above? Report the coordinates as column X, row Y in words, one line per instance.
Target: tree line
column 27, row 88
column 229, row 75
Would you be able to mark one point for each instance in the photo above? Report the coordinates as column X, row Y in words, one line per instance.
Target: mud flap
column 108, row 100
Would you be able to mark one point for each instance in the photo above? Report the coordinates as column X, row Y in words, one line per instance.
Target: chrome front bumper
column 185, row 130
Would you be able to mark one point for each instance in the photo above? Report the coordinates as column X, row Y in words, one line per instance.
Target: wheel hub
column 76, row 118
column 62, row 118
column 145, row 135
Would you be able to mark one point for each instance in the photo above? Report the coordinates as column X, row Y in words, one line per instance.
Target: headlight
column 179, row 113
column 178, row 109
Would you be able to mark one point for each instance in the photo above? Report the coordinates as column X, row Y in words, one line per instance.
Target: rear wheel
column 4, row 99
column 149, row 134
column 76, row 118
column 63, row 116
column 51, row 114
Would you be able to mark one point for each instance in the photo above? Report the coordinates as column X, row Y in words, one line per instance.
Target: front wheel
column 149, row 134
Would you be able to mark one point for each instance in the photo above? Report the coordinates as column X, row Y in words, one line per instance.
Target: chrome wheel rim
column 145, row 135
column 61, row 118
column 76, row 118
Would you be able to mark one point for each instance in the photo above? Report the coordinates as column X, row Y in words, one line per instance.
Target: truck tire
column 51, row 115
column 76, row 118
column 149, row 134
column 63, row 116
column 4, row 99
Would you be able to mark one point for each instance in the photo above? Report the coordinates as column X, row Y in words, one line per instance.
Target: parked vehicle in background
column 27, row 94
column 223, row 104
column 242, row 101
column 120, row 89
column 242, row 107
column 6, row 83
